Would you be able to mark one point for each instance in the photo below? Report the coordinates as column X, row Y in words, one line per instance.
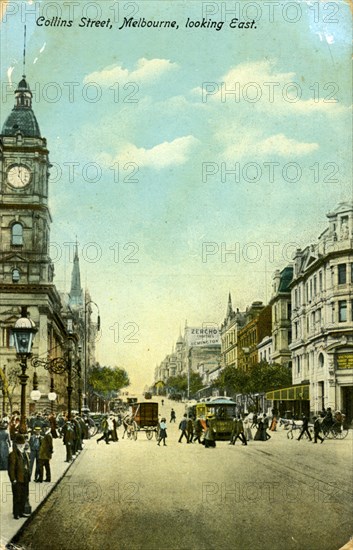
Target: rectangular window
column 315, row 285
column 320, row 281
column 342, row 274
column 289, row 310
column 342, row 311
column 289, row 337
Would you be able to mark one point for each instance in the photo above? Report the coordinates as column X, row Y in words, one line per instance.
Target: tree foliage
column 179, row 384
column 259, row 378
column 106, row 381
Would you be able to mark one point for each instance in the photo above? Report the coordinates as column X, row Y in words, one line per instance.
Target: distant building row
column 307, row 326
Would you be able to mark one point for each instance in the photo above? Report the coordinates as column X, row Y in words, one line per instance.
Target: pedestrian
column 105, row 430
column 190, row 429
column 234, row 431
column 254, row 421
column 34, row 445
column 68, row 439
column 5, row 443
column 273, row 427
column 317, row 430
column 197, row 430
column 259, row 435
column 115, row 430
column 182, row 427
column 247, row 429
column 266, row 435
column 162, row 432
column 305, row 428
column 110, row 428
column 45, row 454
column 210, row 436
column 162, row 402
column 172, row 415
column 53, row 425
column 19, row 476
column 238, row 431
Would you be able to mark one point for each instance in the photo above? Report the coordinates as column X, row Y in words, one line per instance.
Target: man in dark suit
column 45, row 454
column 305, row 428
column 34, row 444
column 19, row 476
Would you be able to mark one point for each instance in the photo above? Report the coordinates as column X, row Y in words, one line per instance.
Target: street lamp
column 60, row 365
column 52, row 395
column 86, row 346
column 23, row 333
column 35, row 393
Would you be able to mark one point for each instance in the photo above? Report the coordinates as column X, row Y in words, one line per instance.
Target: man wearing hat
column 19, row 476
column 45, row 454
column 34, row 444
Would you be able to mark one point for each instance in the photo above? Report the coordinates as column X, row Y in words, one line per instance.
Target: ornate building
column 230, row 327
column 322, row 315
column 26, row 270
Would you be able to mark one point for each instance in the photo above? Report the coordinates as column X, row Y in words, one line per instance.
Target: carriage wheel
column 149, row 434
column 329, row 434
column 342, row 433
column 134, row 435
column 156, row 433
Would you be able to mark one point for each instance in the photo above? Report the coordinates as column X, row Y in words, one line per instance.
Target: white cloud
column 279, row 144
column 163, row 155
column 286, row 147
column 146, row 70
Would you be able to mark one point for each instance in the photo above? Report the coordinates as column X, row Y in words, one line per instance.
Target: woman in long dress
column 259, row 432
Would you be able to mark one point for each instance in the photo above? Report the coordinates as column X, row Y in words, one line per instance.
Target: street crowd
column 27, row 455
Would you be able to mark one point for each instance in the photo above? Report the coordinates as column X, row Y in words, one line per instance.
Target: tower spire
column 76, row 294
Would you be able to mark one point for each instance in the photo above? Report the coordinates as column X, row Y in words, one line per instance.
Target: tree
column 259, row 378
column 107, row 381
column 179, row 384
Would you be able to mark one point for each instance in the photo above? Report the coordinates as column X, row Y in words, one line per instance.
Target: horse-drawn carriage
column 142, row 418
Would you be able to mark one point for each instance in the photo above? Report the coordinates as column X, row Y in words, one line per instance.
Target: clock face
column 18, row 176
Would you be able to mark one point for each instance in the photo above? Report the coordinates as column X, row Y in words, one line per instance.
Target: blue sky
column 173, row 131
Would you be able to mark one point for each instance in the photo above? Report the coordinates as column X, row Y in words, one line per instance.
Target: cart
column 145, row 416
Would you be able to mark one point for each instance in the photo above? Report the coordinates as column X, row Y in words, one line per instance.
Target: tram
column 219, row 412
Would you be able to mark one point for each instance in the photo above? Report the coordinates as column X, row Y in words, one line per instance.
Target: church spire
column 76, row 294
column 229, row 307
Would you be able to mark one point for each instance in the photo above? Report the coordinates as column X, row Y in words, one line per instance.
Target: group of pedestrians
column 27, row 456
column 109, row 427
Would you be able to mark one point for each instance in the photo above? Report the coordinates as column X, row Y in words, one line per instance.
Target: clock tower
column 25, row 216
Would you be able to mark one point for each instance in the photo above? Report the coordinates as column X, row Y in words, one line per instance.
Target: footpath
column 38, row 492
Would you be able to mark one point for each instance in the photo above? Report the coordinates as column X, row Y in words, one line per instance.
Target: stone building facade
column 322, row 315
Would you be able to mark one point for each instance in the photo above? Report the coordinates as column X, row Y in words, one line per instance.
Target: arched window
column 16, row 275
column 17, row 234
column 321, row 360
